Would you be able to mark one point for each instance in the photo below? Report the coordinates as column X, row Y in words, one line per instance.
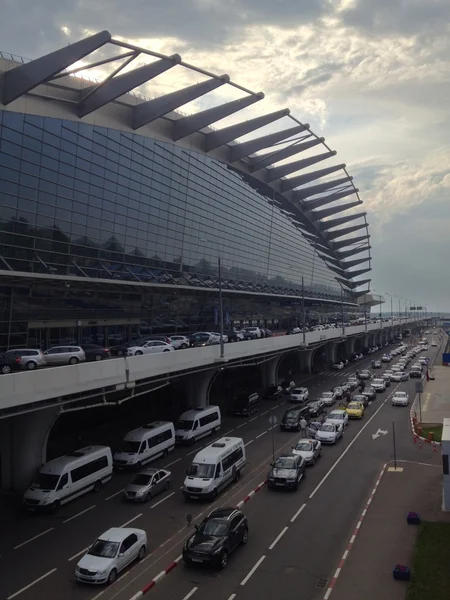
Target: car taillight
column 106, row 350
column 18, row 359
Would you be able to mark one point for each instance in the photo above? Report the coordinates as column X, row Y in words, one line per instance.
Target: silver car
column 64, row 355
column 31, row 358
column 309, row 450
column 147, row 484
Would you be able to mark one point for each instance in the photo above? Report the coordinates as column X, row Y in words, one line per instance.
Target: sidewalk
column 384, row 538
column 436, row 397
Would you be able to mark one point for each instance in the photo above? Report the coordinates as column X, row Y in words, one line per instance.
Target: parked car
column 379, row 384
column 313, row 428
column 274, row 392
column 286, row 472
column 216, row 537
column 316, row 408
column 377, row 364
column 29, row 358
column 355, row 410
column 400, row 399
column 152, row 347
column 180, row 342
column 365, row 374
column 329, row 398
column 64, row 355
column 299, row 395
column 338, row 417
column 94, row 352
column 370, row 393
column 199, row 340
column 310, row 450
column 147, row 484
column 338, row 366
column 361, row 398
column 9, row 363
column 337, row 391
column 329, row 433
column 110, row 554
column 291, row 419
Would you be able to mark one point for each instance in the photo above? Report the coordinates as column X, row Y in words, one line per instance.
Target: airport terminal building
column 115, row 209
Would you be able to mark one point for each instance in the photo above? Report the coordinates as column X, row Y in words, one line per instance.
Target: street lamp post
column 303, row 311
column 342, row 311
column 222, row 345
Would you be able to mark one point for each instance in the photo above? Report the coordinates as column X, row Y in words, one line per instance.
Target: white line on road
column 254, row 419
column 228, row 433
column 162, row 500
column 114, row 495
column 131, row 520
column 278, row 538
column 77, row 555
column 172, row 463
column 33, row 538
column 232, row 597
column 27, row 587
column 302, row 507
column 260, row 435
column 250, row 573
column 322, row 481
column 241, row 425
column 191, row 593
column 248, row 443
column 193, row 452
column 80, row 513
column 264, row 413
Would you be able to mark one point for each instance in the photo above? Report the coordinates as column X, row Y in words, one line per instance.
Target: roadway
column 313, row 523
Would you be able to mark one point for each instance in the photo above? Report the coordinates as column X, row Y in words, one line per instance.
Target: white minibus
column 142, row 445
column 197, row 423
column 215, row 467
column 65, row 478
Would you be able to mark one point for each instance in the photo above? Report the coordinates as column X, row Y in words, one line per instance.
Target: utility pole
column 222, row 345
column 303, row 311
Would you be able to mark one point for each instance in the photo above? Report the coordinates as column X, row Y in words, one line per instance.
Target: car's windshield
column 400, row 394
column 203, row 471
column 299, row 391
column 46, row 481
column 354, row 406
column 129, row 446
column 142, row 479
column 304, row 447
column 183, row 424
column 284, row 462
column 336, row 415
column 104, row 549
column 327, row 394
column 327, row 427
column 377, row 381
column 215, row 527
column 292, row 414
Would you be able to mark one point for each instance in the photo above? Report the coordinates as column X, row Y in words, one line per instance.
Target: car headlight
column 290, row 479
column 101, row 573
column 45, row 500
column 140, row 493
column 218, row 550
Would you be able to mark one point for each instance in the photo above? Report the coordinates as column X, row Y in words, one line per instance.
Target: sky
column 371, row 76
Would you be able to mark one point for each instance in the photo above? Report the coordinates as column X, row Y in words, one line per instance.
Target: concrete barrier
column 19, row 389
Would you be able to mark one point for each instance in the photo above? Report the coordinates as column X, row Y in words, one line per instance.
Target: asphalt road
column 41, row 551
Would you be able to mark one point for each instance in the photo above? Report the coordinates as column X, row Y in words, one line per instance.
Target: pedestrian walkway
column 384, row 538
column 435, row 401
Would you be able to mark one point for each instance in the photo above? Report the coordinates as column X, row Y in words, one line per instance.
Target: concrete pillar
column 305, row 361
column 330, row 352
column 350, row 346
column 23, row 447
column 270, row 369
column 197, row 386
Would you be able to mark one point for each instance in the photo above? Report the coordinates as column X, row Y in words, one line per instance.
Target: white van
column 142, row 445
column 195, row 424
column 215, row 467
column 67, row 477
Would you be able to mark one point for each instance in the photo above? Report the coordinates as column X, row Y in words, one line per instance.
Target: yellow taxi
column 355, row 410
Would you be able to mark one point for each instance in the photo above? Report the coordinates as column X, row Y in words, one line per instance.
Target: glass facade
column 90, row 202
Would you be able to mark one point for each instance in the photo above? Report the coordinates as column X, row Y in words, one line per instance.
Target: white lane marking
column 327, row 593
column 254, row 419
column 114, row 495
column 80, row 513
column 191, row 593
column 250, row 573
column 131, row 520
column 33, row 538
column 241, row 425
column 228, row 433
column 260, row 435
column 172, row 463
column 278, row 538
column 232, row 597
column 264, row 413
column 27, row 587
column 77, row 555
column 284, row 402
column 360, row 432
column 248, row 443
column 302, row 507
column 193, row 452
column 162, row 500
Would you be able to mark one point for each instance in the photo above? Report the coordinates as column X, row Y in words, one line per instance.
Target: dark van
column 292, row 417
column 244, row 404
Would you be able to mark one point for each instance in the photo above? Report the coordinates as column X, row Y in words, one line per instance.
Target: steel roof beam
column 354, row 263
column 98, row 96
column 354, row 251
column 349, row 242
column 317, row 215
column 298, row 165
column 340, row 232
column 320, row 188
column 245, row 149
column 352, row 284
column 354, row 274
column 326, row 225
column 218, row 138
column 293, row 182
column 261, row 162
column 319, row 202
column 189, row 125
column 337, row 270
column 22, row 79
column 153, row 109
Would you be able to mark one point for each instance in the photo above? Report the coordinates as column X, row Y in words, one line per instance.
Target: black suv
column 292, row 417
column 9, row 362
column 216, row 537
column 316, row 408
column 361, row 398
column 274, row 392
column 370, row 393
column 286, row 472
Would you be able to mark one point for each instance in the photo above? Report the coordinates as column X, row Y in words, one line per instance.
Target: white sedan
column 328, row 398
column 400, row 399
column 299, row 394
column 329, row 433
column 400, row 376
column 309, row 450
column 179, row 342
column 111, row 553
column 152, row 347
column 338, row 417
column 338, row 366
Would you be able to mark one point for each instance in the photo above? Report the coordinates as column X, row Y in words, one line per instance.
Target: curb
column 415, row 436
column 355, row 533
column 176, row 562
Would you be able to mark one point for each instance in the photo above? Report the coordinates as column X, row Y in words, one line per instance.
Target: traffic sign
column 273, row 420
